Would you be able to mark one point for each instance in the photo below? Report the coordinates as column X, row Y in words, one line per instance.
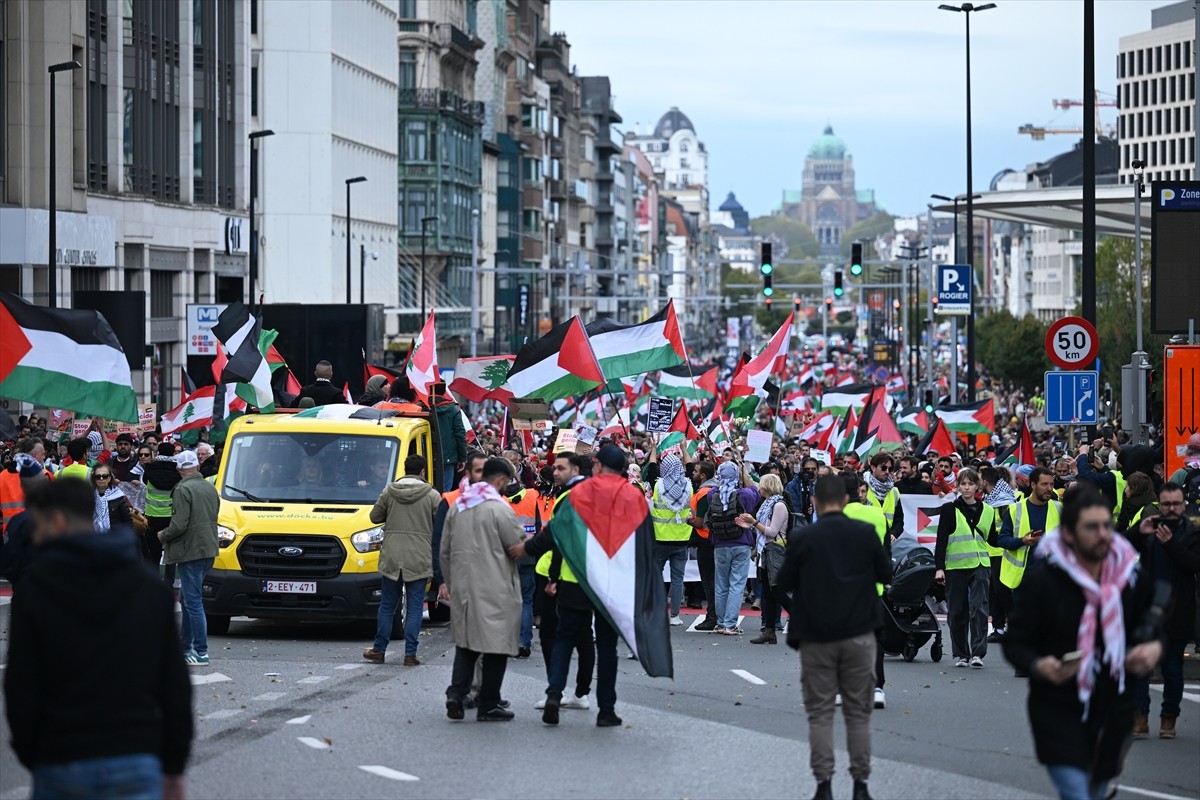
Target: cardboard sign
column 662, row 411
column 80, row 428
column 566, row 442
column 59, row 425
column 146, row 417
column 758, row 446
column 586, row 434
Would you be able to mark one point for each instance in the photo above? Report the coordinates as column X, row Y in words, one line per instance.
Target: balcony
column 455, row 38
column 557, row 148
column 440, row 100
column 558, row 190
column 532, row 196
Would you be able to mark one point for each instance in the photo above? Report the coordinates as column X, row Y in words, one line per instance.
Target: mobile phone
column 1170, row 522
column 1074, row 655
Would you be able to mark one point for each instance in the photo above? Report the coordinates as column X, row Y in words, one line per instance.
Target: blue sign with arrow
column 954, row 283
column 1072, row 398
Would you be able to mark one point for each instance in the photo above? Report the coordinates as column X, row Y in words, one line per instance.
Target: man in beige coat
column 483, row 589
column 406, row 509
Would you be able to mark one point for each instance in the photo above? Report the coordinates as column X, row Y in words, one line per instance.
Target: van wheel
column 218, row 625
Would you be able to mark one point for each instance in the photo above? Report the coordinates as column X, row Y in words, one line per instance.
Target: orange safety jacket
column 12, row 497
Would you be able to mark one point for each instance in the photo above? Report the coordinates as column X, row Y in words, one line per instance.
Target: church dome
column 673, row 120
column 827, row 146
column 731, row 204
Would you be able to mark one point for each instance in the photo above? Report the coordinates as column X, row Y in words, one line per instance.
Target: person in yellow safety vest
column 569, row 470
column 963, row 565
column 1140, row 501
column 526, row 504
column 160, row 477
column 1111, row 482
column 78, row 468
column 1025, row 524
column 883, row 494
column 859, row 509
column 998, row 494
column 670, row 508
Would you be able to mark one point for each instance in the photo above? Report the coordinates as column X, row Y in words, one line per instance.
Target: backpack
column 1191, row 486
column 721, row 524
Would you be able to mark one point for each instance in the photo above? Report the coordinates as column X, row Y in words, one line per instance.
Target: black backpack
column 1191, row 486
column 721, row 522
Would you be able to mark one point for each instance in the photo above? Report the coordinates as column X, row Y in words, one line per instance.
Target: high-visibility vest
column 525, row 504
column 887, row 505
column 700, row 494
column 998, row 551
column 1121, row 482
column 158, row 501
column 1012, row 568
column 12, row 498
column 873, row 517
column 78, row 470
column 542, row 567
column 967, row 546
column 670, row 526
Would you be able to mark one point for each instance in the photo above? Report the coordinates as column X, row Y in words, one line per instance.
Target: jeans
column 1074, row 783
column 584, row 643
column 827, row 669
column 732, row 565
column 414, row 602
column 134, row 777
column 193, row 629
column 707, row 565
column 448, row 477
column 572, row 622
column 528, row 586
column 1172, row 672
column 967, row 601
column 494, row 667
column 676, row 555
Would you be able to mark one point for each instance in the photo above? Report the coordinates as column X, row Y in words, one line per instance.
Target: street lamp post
column 424, row 228
column 971, row 318
column 253, row 252
column 474, row 282
column 965, row 9
column 362, row 272
column 349, row 183
column 52, row 259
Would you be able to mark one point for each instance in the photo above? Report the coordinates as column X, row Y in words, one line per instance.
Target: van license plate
column 290, row 587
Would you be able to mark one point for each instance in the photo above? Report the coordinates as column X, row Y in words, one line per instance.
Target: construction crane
column 1039, row 132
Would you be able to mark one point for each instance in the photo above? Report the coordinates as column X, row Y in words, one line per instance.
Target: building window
column 416, row 140
column 150, row 31
column 504, row 173
column 408, row 9
column 97, row 95
column 415, row 209
column 162, row 293
column 254, row 87
column 531, row 222
column 531, row 170
column 408, row 69
column 504, row 224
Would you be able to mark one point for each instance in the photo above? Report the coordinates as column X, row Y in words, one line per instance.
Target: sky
column 760, row 79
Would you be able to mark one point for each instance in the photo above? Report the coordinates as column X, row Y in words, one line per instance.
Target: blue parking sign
column 1072, row 398
column 954, row 283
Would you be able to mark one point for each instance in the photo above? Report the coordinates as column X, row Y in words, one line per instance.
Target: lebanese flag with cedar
column 422, row 369
column 479, row 379
column 197, row 410
column 605, row 533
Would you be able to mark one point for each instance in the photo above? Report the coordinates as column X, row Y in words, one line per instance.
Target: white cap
column 187, row 460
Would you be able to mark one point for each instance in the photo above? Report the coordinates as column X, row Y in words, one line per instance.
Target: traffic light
column 767, row 270
column 829, row 305
column 796, row 306
column 838, row 290
column 934, row 301
column 856, row 267
column 896, row 305
column 768, row 302
column 929, row 401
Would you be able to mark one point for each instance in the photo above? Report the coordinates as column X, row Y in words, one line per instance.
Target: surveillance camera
column 374, row 256
column 1138, row 164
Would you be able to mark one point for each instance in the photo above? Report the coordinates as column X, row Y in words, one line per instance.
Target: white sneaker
column 676, row 621
column 582, row 703
column 837, row 700
column 961, row 662
column 880, row 699
column 977, row 662
column 540, row 704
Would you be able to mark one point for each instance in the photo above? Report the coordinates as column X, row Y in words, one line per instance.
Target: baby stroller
column 911, row 610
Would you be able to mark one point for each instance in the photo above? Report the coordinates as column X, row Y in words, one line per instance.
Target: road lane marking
column 1148, row 793
column 267, row 697
column 299, row 720
column 224, row 713
column 349, row 666
column 749, row 677
column 210, row 677
column 315, row 744
column 388, row 772
column 313, row 679
column 692, row 628
column 1191, row 698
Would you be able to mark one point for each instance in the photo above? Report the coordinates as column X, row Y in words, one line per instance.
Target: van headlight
column 225, row 536
column 368, row 540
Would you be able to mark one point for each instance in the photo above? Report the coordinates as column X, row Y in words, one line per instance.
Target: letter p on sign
column 949, row 278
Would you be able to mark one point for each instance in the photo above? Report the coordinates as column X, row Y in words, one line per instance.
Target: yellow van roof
column 290, row 423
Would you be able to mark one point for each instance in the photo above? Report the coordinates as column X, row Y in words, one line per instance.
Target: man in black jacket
column 831, row 571
column 123, row 726
column 322, row 390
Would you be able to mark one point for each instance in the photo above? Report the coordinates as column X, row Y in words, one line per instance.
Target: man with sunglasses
column 1170, row 551
column 883, row 494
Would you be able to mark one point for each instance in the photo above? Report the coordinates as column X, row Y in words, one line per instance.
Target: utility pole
column 929, row 380
column 475, row 283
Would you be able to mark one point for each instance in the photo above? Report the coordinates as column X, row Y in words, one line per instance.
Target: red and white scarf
column 475, row 493
column 1102, row 607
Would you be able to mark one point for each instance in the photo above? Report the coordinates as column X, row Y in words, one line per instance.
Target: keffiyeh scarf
column 1001, row 495
column 674, row 490
column 727, row 483
column 880, row 488
column 475, row 493
column 100, row 517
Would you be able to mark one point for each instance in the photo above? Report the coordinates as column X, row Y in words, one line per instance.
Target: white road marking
column 1148, row 793
column 388, row 772
column 313, row 679
column 208, row 677
column 315, row 744
column 5, row 600
column 349, row 666
column 16, row 792
column 1191, row 698
column 224, row 713
column 749, row 677
column 699, row 619
column 267, row 697
column 299, row 720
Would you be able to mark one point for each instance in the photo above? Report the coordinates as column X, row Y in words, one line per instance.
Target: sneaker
column 607, row 719
column 540, row 704
column 734, row 631
column 837, row 699
column 880, row 699
column 373, row 655
column 581, row 703
column 676, row 620
column 707, row 625
column 997, row 636
column 961, row 662
column 719, row 629
column 194, row 659
column 976, row 662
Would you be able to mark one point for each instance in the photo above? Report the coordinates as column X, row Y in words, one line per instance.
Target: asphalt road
column 293, row 711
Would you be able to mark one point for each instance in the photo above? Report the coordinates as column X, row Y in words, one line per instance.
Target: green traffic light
column 839, row 291
column 768, row 291
column 856, row 269
column 766, row 269
column 928, row 409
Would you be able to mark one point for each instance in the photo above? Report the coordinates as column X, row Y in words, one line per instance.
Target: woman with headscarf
column 670, row 506
column 376, row 391
column 732, row 544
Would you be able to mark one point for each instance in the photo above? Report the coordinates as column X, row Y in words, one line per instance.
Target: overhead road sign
column 1174, row 255
column 1072, row 398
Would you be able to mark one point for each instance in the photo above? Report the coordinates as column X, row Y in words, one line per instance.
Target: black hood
column 84, row 573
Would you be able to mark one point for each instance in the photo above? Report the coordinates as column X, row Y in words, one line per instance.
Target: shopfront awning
column 1062, row 207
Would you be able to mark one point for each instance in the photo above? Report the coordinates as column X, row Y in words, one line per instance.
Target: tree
column 867, row 230
column 799, row 238
column 1011, row 349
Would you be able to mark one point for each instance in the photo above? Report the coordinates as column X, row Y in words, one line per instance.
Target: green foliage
column 867, row 231
column 1012, row 349
column 1116, row 321
column 800, row 241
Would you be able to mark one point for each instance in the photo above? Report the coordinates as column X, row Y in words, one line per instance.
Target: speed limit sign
column 1072, row 343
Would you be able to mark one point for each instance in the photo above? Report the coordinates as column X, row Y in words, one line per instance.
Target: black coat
column 1177, row 561
column 914, row 485
column 1046, row 622
column 831, row 569
column 323, row 393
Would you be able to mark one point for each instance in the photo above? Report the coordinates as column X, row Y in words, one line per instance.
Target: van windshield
column 309, row 467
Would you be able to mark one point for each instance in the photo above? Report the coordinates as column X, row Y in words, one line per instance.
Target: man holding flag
column 605, row 533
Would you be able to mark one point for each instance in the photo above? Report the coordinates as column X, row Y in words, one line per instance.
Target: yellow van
column 296, row 539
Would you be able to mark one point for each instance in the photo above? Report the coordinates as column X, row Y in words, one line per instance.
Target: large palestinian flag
column 604, row 531
column 560, row 364
column 479, row 379
column 678, row 382
column 977, row 418
column 837, row 401
column 921, row 515
column 626, row 350
column 913, row 419
column 61, row 358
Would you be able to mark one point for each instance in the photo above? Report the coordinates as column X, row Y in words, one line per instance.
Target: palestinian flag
column 770, row 361
column 913, row 419
column 559, row 364
column 626, row 350
column 837, row 401
column 197, row 410
column 61, row 358
column 681, row 430
column 821, row 423
column 877, row 431
column 1021, row 452
column 371, row 370
column 677, row 382
column 187, row 386
column 938, row 440
column 921, row 515
column 604, row 531
column 714, row 432
column 618, row 425
column 977, row 418
column 347, row 411
column 241, row 334
column 479, row 379
column 422, row 368
column 742, row 403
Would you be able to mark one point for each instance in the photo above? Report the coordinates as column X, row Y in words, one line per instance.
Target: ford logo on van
column 291, row 552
